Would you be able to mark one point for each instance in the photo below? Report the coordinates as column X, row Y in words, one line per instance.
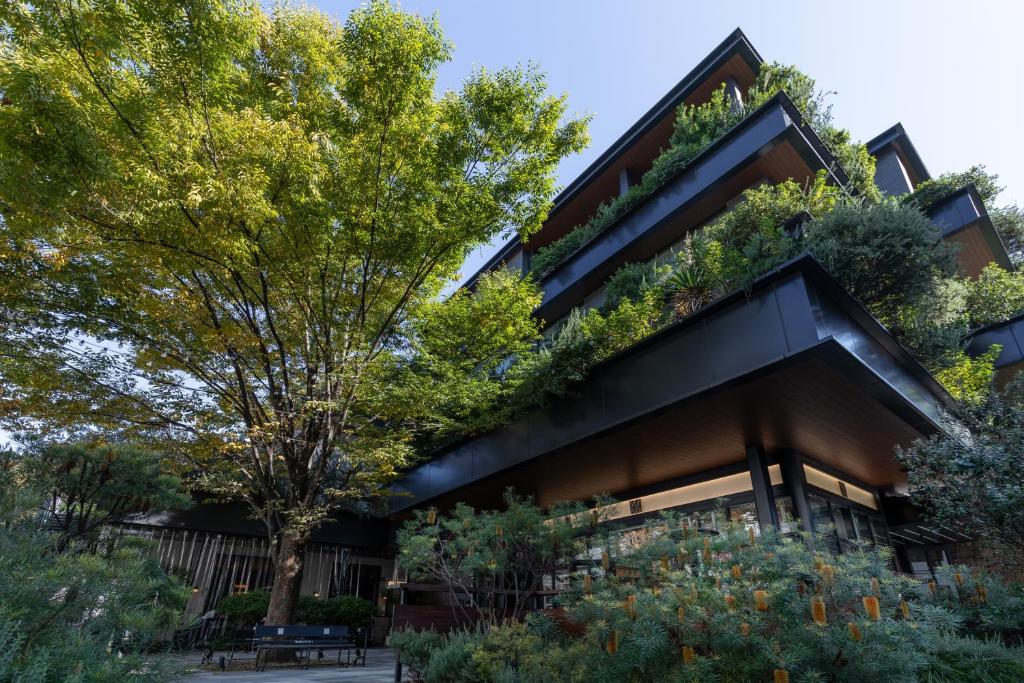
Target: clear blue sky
column 952, row 72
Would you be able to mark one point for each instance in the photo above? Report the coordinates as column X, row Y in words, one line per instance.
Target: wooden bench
column 303, row 640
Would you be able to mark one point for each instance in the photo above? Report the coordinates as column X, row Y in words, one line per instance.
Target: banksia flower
column 745, row 629
column 681, row 613
column 688, row 654
column 780, row 676
column 761, row 600
column 588, row 584
column 718, row 583
column 664, row 563
column 827, row 574
column 959, row 578
column 982, row 592
column 737, row 571
column 613, row 642
column 933, row 587
column 904, row 609
column 871, row 607
column 686, row 529
column 876, row 587
column 855, row 633
column 751, row 535
column 630, row 606
column 498, row 530
column 818, row 562
column 801, row 587
column 730, row 601
column 818, row 611
column 431, row 516
column 604, row 560
column 707, row 549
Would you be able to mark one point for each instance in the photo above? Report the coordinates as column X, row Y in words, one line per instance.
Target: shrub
column 735, row 606
column 1009, row 223
column 887, row 256
column 931, row 191
column 246, row 609
column 995, row 296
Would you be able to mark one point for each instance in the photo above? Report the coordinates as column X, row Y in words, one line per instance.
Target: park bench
column 303, row 640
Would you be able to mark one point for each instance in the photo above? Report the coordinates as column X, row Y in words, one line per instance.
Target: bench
column 303, row 640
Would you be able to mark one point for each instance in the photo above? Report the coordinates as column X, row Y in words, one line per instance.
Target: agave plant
column 689, row 288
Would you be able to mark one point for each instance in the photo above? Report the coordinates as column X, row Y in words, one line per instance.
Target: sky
column 951, row 72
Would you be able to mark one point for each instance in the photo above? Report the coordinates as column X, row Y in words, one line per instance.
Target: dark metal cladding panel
column 454, row 470
column 797, row 315
column 417, row 483
column 1010, row 336
column 955, row 212
column 678, row 366
column 745, row 336
column 563, row 422
column 753, row 135
column 502, row 448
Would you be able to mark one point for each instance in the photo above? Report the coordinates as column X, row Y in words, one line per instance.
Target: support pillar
column 796, row 484
column 764, row 499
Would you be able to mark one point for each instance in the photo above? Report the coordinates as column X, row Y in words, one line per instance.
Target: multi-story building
column 786, row 400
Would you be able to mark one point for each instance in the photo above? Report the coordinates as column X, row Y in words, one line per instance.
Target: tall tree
column 225, row 229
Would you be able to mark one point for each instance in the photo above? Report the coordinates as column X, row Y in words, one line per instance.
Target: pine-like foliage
column 682, row 603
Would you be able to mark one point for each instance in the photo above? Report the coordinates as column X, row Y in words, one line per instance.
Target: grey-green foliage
column 71, row 612
column 742, row 606
column 632, row 280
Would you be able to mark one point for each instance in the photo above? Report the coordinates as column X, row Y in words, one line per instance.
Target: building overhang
column 772, row 142
column 735, row 57
column 896, row 139
column 793, row 363
column 1008, row 334
column 963, row 219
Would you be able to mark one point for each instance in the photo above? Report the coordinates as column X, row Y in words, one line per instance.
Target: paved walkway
column 380, row 668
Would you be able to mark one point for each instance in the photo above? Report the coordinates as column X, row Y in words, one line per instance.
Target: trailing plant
column 670, row 601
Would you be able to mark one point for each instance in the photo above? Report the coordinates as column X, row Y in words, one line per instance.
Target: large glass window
column 823, row 520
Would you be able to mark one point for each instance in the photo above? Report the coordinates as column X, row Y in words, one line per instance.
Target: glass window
column 864, row 532
column 745, row 514
column 787, row 514
column 822, row 520
column 844, row 523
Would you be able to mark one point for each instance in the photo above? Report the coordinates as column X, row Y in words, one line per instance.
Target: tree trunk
column 284, row 597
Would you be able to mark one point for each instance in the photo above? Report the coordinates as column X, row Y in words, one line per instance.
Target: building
column 786, row 400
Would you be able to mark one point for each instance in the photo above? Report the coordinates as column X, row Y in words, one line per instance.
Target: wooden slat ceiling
column 809, row 407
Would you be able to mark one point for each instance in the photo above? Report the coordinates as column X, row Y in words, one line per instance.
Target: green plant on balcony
column 696, row 128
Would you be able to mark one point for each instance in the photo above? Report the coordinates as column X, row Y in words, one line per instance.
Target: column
column 764, row 499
